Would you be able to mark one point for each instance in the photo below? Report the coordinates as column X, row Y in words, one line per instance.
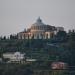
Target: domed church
column 38, row 30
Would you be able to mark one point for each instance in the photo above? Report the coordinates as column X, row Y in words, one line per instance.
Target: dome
column 38, row 22
column 38, row 25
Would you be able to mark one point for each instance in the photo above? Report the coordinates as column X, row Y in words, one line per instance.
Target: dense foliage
column 59, row 48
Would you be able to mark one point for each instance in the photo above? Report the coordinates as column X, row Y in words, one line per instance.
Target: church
column 39, row 30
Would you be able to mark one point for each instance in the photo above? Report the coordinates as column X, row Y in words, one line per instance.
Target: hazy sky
column 15, row 15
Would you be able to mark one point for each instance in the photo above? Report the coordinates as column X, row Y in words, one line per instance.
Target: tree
column 61, row 35
column 71, row 47
column 71, row 40
column 13, row 36
column 4, row 37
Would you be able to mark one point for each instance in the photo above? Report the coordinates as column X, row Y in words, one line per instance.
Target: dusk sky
column 15, row 15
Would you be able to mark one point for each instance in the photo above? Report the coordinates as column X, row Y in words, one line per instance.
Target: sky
column 16, row 15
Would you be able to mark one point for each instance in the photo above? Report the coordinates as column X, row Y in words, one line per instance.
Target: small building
column 59, row 65
column 14, row 57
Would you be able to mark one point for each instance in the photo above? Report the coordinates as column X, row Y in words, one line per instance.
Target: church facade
column 39, row 30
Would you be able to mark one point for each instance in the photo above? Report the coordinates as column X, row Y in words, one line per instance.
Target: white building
column 14, row 57
column 39, row 30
